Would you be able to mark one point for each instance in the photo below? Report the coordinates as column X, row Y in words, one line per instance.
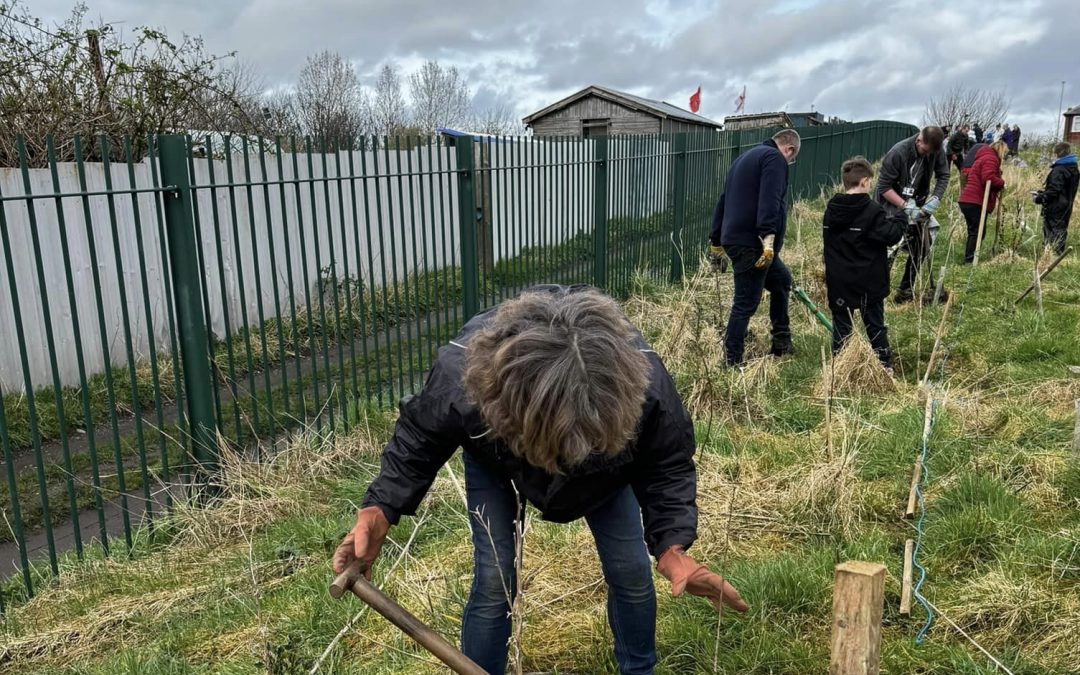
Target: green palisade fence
column 162, row 298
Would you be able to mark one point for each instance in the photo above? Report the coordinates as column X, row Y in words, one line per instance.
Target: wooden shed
column 599, row 111
column 1072, row 126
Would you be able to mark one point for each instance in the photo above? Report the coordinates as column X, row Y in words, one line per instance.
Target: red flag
column 740, row 102
column 695, row 100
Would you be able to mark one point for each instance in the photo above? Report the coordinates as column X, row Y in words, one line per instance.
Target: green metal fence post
column 467, row 224
column 600, row 212
column 678, row 176
column 194, row 350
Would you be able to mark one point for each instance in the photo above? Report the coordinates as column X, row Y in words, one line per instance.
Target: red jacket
column 987, row 167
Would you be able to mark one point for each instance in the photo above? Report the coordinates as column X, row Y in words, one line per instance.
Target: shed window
column 595, row 127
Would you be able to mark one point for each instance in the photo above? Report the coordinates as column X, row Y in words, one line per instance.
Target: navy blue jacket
column 752, row 204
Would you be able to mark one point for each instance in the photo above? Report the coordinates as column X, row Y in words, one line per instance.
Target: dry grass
column 856, row 369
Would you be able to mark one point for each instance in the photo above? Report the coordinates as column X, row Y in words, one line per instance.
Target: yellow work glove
column 767, row 254
column 718, row 258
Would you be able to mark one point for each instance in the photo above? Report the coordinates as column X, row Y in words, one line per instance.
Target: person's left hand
column 767, row 253
column 689, row 576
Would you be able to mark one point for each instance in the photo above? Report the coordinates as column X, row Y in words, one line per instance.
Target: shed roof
column 1073, row 111
column 660, row 109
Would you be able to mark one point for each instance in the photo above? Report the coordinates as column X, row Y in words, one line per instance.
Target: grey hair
column 557, row 377
column 788, row 137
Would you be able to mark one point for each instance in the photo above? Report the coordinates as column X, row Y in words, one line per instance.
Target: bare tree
column 440, row 97
column 329, row 103
column 70, row 79
column 498, row 119
column 278, row 113
column 960, row 105
column 388, row 105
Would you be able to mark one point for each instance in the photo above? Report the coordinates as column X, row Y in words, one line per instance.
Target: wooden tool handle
column 353, row 580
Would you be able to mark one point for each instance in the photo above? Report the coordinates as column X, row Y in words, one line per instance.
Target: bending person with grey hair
column 558, row 401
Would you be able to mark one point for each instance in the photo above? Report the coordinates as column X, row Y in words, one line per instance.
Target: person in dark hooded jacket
column 1057, row 197
column 857, row 235
column 557, row 401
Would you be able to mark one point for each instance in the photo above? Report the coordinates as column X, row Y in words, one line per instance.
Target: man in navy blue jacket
column 748, row 227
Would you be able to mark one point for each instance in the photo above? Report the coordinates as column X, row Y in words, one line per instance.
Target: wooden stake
column 1038, row 287
column 905, row 588
column 982, row 223
column 1048, row 270
column 858, row 598
column 940, row 285
column 937, row 339
column 1076, row 432
column 916, row 474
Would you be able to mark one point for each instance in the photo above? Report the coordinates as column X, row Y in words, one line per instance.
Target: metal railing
column 227, row 290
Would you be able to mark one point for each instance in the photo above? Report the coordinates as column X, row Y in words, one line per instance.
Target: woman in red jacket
column 985, row 169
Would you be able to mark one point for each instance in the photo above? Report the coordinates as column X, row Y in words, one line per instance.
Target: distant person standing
column 1057, row 197
column 1007, row 137
column 1015, row 147
column 985, row 169
column 959, row 142
column 999, row 134
column 904, row 185
column 748, row 226
column 978, row 132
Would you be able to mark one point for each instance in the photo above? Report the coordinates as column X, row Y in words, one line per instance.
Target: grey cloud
column 854, row 58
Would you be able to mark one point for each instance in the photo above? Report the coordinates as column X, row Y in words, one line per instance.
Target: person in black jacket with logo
column 1057, row 197
column 748, row 226
column 557, row 401
column 904, row 186
column 857, row 236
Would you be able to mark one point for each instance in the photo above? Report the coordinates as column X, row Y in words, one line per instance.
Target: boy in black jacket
column 857, row 236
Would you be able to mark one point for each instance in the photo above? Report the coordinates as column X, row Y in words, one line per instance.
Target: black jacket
column 1060, row 192
column 658, row 465
column 959, row 144
column 752, row 204
column 857, row 236
column 903, row 168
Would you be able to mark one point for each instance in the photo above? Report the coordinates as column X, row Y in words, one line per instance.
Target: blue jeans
column 616, row 528
column 750, row 282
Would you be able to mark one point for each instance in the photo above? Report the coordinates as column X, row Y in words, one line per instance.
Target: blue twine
column 923, row 479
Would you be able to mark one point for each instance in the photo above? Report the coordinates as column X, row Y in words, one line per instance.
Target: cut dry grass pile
column 856, row 369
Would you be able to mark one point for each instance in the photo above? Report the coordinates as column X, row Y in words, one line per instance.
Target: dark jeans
column 873, row 318
column 749, row 285
column 1055, row 233
column 919, row 248
column 972, row 214
column 617, row 531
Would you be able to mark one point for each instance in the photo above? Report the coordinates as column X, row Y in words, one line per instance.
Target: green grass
column 241, row 588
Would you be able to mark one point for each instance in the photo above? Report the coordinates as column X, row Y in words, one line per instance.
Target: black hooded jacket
column 857, row 236
column 1060, row 192
column 658, row 465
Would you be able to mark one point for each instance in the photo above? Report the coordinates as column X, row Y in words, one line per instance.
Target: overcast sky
column 856, row 59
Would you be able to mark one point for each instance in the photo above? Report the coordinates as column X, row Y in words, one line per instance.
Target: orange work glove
column 686, row 574
column 364, row 541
